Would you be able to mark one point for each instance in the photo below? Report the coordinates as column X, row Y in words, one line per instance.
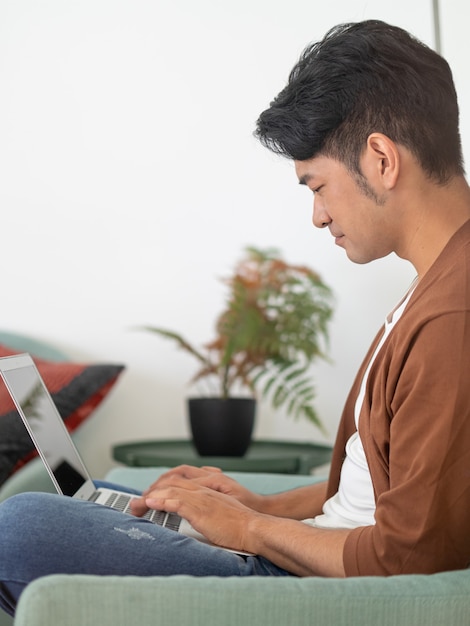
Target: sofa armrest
column 32, row 477
column 187, row 601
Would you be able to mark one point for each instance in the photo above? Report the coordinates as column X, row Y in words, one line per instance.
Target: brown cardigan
column 415, row 428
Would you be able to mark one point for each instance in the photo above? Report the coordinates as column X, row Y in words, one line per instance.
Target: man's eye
column 317, row 189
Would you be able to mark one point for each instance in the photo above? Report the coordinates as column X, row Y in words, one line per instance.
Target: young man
column 370, row 118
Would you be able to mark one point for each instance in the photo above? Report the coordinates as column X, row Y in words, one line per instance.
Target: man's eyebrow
column 304, row 180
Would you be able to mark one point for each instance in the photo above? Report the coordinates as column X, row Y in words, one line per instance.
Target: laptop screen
column 44, row 423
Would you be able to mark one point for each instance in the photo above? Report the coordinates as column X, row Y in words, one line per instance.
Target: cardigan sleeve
column 415, row 430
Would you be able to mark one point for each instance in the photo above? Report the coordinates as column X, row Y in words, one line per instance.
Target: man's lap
column 44, row 534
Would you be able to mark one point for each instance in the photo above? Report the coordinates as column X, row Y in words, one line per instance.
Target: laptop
column 57, row 450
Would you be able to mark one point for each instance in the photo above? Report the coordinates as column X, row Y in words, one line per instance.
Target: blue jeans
column 43, row 534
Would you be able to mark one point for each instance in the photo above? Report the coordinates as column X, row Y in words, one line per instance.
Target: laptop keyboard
column 120, row 502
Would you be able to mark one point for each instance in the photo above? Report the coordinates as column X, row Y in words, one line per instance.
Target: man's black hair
column 362, row 78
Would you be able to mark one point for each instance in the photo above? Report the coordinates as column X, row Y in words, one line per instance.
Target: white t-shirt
column 353, row 504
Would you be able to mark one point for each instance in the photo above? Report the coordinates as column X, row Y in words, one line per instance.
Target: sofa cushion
column 76, row 388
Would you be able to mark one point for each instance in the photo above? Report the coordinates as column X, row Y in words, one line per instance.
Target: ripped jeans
column 43, row 534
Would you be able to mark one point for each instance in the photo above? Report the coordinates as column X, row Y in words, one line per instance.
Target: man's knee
column 20, row 514
column 16, row 505
column 23, row 521
column 24, row 503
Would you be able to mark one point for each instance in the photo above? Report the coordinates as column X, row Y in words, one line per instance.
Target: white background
column 130, row 183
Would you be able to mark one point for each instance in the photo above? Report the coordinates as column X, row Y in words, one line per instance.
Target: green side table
column 263, row 456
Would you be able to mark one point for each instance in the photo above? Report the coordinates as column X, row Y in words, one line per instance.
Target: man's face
column 355, row 213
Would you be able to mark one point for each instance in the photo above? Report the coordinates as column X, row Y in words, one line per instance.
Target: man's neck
column 438, row 211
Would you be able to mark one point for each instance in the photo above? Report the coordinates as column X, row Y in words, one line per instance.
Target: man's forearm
column 297, row 547
column 296, row 504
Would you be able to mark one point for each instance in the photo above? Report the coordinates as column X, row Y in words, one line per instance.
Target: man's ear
column 382, row 160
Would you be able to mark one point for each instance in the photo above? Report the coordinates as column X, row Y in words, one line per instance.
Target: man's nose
column 320, row 217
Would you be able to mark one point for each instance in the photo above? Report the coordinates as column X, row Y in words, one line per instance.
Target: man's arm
column 296, row 504
column 297, row 547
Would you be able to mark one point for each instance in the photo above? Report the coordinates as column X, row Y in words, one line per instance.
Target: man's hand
column 221, row 518
column 210, row 477
column 214, row 504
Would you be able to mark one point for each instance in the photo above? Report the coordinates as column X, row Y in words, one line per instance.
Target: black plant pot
column 221, row 427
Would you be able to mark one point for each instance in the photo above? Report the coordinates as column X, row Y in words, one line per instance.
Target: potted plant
column 272, row 329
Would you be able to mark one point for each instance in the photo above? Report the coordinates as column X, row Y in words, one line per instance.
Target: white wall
column 130, row 182
column 455, row 44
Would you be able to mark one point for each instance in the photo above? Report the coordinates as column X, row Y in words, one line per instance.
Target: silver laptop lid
column 44, row 423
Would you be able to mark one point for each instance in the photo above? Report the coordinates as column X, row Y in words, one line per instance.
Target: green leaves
column 182, row 343
column 287, row 383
